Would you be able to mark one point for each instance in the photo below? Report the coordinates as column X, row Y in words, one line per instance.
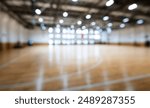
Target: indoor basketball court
column 74, row 45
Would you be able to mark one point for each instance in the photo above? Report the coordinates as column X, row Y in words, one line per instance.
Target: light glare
column 109, row 3
column 133, row 6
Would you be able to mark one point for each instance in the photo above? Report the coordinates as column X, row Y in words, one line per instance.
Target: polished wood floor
column 93, row 67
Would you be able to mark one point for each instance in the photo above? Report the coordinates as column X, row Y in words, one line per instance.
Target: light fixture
column 140, row 21
column 109, row 24
column 109, row 3
column 125, row 20
column 74, row 0
column 61, row 21
column 65, row 14
column 133, row 6
column 41, row 19
column 93, row 23
column 38, row 11
column 105, row 18
column 79, row 22
column 50, row 30
column 122, row 25
column 88, row 16
column 83, row 27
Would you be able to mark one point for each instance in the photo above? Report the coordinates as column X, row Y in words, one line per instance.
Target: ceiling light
column 93, row 23
column 140, row 21
column 133, row 6
column 41, row 19
column 109, row 24
column 61, row 21
column 65, row 14
column 109, row 3
column 79, row 22
column 50, row 30
column 74, row 0
column 83, row 27
column 122, row 25
column 38, row 11
column 125, row 20
column 88, row 16
column 105, row 18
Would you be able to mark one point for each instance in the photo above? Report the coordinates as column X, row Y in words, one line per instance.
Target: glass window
column 51, row 36
column 97, row 37
column 58, row 36
column 91, row 31
column 57, row 42
column 57, row 30
column 85, row 31
column 78, row 31
column 96, row 32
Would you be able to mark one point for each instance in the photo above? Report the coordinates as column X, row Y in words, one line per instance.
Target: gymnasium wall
column 11, row 32
column 37, row 36
column 129, row 36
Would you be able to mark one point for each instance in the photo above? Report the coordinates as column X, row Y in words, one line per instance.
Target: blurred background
column 74, row 45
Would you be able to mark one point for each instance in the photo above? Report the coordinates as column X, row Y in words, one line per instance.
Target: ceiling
column 52, row 11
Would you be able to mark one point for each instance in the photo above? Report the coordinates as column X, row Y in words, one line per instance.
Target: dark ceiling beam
column 16, row 16
column 77, row 26
column 119, row 6
column 72, row 14
column 120, row 3
column 57, row 10
column 107, row 10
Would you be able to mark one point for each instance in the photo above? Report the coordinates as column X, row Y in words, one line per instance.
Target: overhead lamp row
column 105, row 18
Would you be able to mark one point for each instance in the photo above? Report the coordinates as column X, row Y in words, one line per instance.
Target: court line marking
column 16, row 85
column 109, row 82
column 123, row 81
column 105, row 76
column 40, row 79
column 65, row 81
column 15, row 59
column 75, row 73
column 88, row 78
column 11, row 61
column 128, row 84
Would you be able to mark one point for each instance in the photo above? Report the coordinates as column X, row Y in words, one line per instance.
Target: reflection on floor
column 94, row 67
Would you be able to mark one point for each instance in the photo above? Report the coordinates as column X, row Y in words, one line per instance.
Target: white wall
column 11, row 31
column 38, row 36
column 130, row 35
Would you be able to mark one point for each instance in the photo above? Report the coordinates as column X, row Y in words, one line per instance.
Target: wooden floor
column 95, row 67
